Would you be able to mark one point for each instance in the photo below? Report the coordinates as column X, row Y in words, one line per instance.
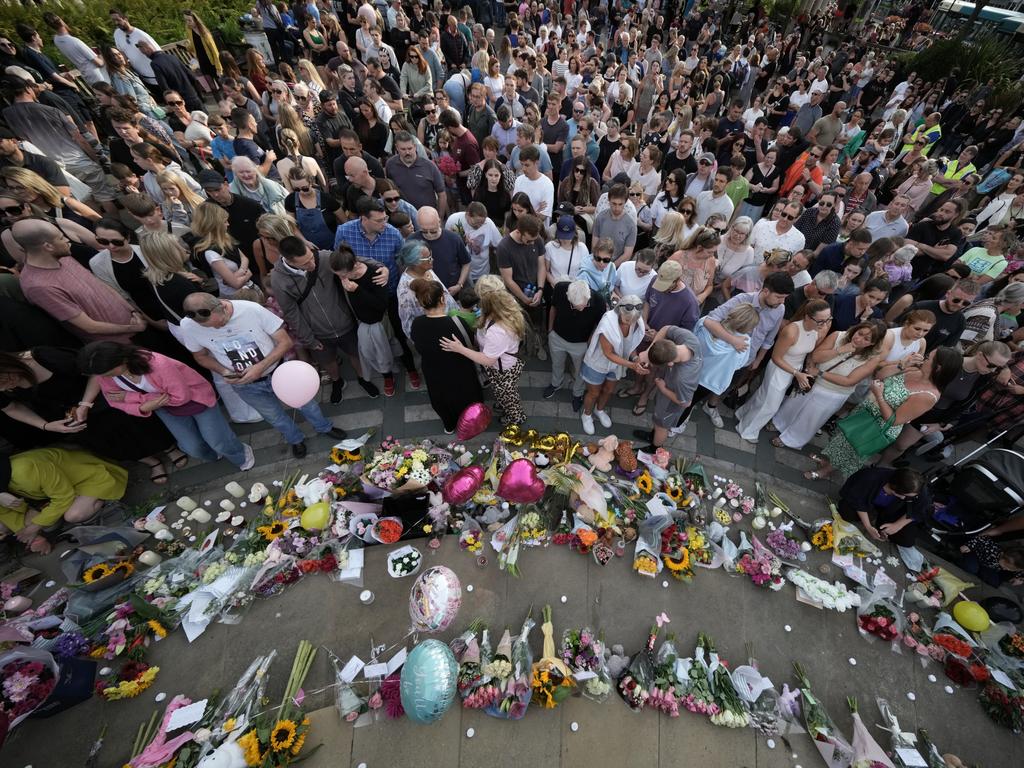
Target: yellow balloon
column 316, row 516
column 971, row 616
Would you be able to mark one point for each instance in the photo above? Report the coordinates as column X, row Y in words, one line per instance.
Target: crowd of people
column 674, row 210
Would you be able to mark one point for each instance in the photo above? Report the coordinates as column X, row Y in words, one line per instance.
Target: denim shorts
column 596, row 378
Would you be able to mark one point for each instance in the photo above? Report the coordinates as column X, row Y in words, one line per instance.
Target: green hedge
column 89, row 19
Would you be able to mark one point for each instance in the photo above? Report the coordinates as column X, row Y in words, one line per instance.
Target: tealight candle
column 235, row 490
column 227, row 505
column 164, row 535
column 154, row 526
column 186, row 503
column 200, row 516
column 366, row 597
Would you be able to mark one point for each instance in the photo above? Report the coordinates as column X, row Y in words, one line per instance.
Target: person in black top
column 575, row 313
column 888, row 503
column 937, row 239
column 331, row 121
column 352, row 146
column 172, row 75
column 949, row 314
column 11, row 154
column 242, row 212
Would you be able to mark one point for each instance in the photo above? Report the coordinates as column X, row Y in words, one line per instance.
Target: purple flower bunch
column 783, row 545
column 581, row 650
column 763, row 568
column 71, row 645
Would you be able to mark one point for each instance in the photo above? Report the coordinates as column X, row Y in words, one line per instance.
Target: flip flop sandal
column 769, row 427
column 626, row 392
column 157, row 474
column 640, row 409
column 181, row 462
column 812, row 475
column 778, row 443
column 816, row 457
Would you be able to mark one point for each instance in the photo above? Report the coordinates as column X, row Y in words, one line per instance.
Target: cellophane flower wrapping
column 666, row 688
column 697, row 696
column 635, row 683
column 731, row 712
column 848, row 540
column 647, row 558
column 759, row 697
column 585, row 654
column 1004, row 706
column 1005, row 643
column 833, row 747
column 898, row 738
column 27, row 678
column 552, row 678
column 866, row 751
column 514, row 689
column 879, row 618
column 762, row 566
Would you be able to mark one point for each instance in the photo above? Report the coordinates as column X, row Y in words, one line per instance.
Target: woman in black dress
column 366, row 290
column 452, row 380
column 40, row 402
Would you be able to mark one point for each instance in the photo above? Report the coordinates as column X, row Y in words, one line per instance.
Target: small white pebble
column 565, row 599
column 948, row 689
column 469, row 587
column 470, row 733
column 932, row 678
column 51, row 583
column 361, row 765
column 794, row 756
column 277, row 615
column 160, row 696
column 853, row 662
column 105, row 671
column 665, row 584
column 207, row 503
column 911, row 696
column 574, row 726
column 788, row 628
column 771, row 743
column 243, row 504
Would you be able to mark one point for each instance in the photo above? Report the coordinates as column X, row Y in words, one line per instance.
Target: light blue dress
column 721, row 360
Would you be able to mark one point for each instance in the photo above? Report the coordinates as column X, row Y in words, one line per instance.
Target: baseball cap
column 210, row 179
column 668, row 273
column 706, row 157
column 566, row 229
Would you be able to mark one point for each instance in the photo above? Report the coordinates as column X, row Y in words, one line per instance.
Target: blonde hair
column 672, row 230
column 630, row 145
column 164, row 256
column 276, row 226
column 190, row 198
column 210, row 226
column 743, row 318
column 314, row 76
column 489, row 284
column 288, row 119
column 778, row 257
column 33, row 182
column 501, row 308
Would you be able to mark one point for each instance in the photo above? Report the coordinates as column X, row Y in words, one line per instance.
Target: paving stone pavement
column 612, row 600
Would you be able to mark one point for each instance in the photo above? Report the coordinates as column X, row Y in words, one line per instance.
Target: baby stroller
column 977, row 492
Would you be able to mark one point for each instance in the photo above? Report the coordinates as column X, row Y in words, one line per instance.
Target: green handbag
column 864, row 432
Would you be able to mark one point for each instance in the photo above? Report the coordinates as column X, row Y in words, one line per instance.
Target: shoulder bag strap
column 310, row 281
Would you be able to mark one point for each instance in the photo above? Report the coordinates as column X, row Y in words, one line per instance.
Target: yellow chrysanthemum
column 95, row 572
column 250, row 745
column 158, row 629
column 283, row 735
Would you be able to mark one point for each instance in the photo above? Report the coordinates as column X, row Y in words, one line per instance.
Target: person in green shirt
column 986, row 261
column 737, row 189
column 72, row 486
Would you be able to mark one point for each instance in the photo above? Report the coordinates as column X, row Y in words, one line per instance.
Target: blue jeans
column 206, row 435
column 261, row 396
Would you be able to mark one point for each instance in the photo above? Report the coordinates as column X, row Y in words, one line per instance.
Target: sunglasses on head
column 117, row 243
column 198, row 314
column 631, row 307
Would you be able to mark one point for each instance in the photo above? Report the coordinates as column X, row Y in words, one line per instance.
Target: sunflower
column 678, row 561
column 158, row 629
column 250, row 745
column 289, row 512
column 340, row 492
column 645, row 483
column 273, row 531
column 675, row 492
column 283, row 735
column 355, row 455
column 337, row 456
column 125, row 568
column 299, row 742
column 96, row 572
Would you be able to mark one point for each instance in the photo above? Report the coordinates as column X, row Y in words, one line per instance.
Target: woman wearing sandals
column 796, row 341
column 897, row 395
column 837, row 365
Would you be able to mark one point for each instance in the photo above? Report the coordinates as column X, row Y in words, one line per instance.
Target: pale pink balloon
column 463, row 485
column 295, row 383
column 520, row 483
column 474, row 420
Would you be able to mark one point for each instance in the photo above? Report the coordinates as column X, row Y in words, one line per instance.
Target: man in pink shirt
column 69, row 292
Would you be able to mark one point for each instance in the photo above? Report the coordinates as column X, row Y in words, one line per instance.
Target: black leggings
column 699, row 397
column 396, row 325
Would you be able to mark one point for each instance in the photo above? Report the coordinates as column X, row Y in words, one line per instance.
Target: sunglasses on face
column 174, row 103
column 600, row 260
column 631, row 307
column 198, row 314
column 391, row 198
column 429, row 111
column 703, row 162
column 301, row 189
column 787, row 216
column 13, row 209
column 117, row 243
column 958, row 302
column 636, row 194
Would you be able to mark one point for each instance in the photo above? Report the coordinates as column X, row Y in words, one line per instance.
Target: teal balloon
column 428, row 681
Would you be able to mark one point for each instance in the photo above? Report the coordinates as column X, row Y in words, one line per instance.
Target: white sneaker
column 604, row 418
column 250, row 458
column 714, row 415
column 588, row 422
column 676, row 431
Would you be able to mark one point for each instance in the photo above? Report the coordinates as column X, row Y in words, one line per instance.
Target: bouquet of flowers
column 471, row 537
column 552, row 678
column 833, row 747
column 700, row 548
column 1012, row 645
column 698, row 697
column 849, row 540
column 27, row 678
column 925, row 589
column 878, row 616
column 516, row 662
column 675, row 552
column 822, row 537
column 635, row 683
column 584, row 653
column 731, row 712
column 759, row 696
column 784, row 543
column 666, row 686
column 397, row 468
column 899, row 739
column 506, row 541
column 647, row 559
column 762, row 566
column 866, row 751
column 1004, row 706
column 948, row 635
column 834, row 596
column 484, row 692
column 917, row 638
column 131, row 680
column 531, row 529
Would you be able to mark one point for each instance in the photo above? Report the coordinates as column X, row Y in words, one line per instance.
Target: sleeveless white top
column 899, row 349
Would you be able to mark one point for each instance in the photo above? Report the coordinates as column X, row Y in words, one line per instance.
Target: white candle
column 235, row 489
column 200, row 516
column 227, row 505
column 164, row 535
column 149, row 558
column 154, row 526
column 187, row 504
column 366, row 597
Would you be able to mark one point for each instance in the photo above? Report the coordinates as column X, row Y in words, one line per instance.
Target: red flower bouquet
column 27, row 678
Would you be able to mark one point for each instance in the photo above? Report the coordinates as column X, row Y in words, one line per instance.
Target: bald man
column 360, row 183
column 451, row 257
column 243, row 343
column 69, row 292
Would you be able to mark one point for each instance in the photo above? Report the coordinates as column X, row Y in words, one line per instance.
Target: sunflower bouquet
column 552, row 679
column 822, row 537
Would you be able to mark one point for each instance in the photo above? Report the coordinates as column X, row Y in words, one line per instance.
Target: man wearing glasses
column 937, row 239
column 949, row 314
column 243, row 343
column 769, row 235
column 806, row 171
column 820, row 224
column 954, row 171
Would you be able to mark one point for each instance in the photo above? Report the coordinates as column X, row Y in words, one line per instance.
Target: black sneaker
column 577, row 403
column 299, row 450
column 549, row 392
column 337, row 390
column 369, row 388
column 338, row 433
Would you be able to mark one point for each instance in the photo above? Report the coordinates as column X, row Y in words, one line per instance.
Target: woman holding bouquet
column 888, row 503
column 899, row 396
column 502, row 326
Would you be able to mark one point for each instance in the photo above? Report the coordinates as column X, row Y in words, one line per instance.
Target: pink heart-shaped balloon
column 520, row 483
column 463, row 485
column 474, row 420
